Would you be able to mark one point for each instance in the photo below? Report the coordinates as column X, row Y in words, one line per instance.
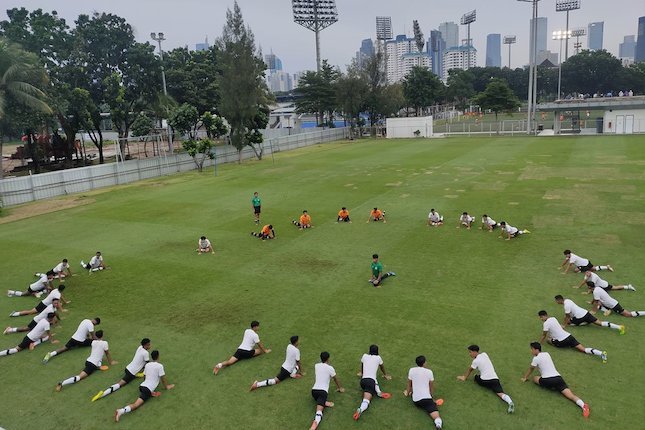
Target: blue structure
column 640, row 43
column 595, row 35
column 494, row 50
column 436, row 46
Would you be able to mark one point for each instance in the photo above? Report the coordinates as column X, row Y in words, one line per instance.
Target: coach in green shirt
column 257, row 207
column 377, row 272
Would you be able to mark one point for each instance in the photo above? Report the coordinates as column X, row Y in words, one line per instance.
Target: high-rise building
column 458, row 58
column 542, row 36
column 436, row 47
column 627, row 49
column 202, row 46
column 366, row 51
column 402, row 54
column 273, row 62
column 494, row 50
column 279, row 81
column 594, row 35
column 450, row 33
column 639, row 55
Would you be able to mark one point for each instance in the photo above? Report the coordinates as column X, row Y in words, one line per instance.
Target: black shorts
column 555, row 383
column 427, row 405
column 144, row 393
column 343, row 219
column 243, row 354
column 90, row 368
column 32, row 291
column 32, row 324
column 51, row 272
column 568, row 342
column 25, row 343
column 257, row 209
column 284, row 374
column 494, row 226
column 369, row 386
column 73, row 343
column 589, row 266
column 588, row 318
column 491, row 384
column 618, row 309
column 128, row 377
column 608, row 287
column 320, row 396
column 40, row 307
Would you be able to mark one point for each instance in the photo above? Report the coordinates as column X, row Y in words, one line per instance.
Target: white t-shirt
column 605, row 299
column 141, row 357
column 153, row 371
column 43, row 315
column 370, row 365
column 98, row 349
column 292, row 355
column 40, row 284
column 324, row 373
column 53, row 294
column 421, row 378
column 84, row 329
column 434, row 217
column 38, row 331
column 467, row 219
column 544, row 363
column 597, row 280
column 510, row 229
column 577, row 260
column 485, row 366
column 488, row 220
column 555, row 330
column 96, row 261
column 203, row 244
column 573, row 310
column 249, row 340
column 60, row 267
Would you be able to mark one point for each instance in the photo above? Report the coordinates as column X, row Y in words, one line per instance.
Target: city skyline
column 275, row 30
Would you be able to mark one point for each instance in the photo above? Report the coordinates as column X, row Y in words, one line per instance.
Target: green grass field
column 454, row 287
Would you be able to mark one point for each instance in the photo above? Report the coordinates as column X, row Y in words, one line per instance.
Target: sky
column 187, row 22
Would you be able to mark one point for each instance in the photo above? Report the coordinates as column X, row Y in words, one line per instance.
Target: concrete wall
column 626, row 121
column 405, row 127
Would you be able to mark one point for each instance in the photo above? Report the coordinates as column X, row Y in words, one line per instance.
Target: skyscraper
column 450, row 34
column 494, row 50
column 401, row 55
column 202, row 46
column 436, row 47
column 627, row 49
column 594, row 35
column 366, row 51
column 542, row 33
column 640, row 43
column 458, row 58
column 273, row 62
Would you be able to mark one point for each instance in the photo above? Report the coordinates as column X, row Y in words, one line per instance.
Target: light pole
column 467, row 19
column 315, row 15
column 509, row 40
column 160, row 38
column 532, row 98
column 567, row 6
column 577, row 33
column 560, row 35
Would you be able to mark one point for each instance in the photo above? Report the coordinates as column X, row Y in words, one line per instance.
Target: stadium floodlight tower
column 467, row 19
column 578, row 33
column 418, row 38
column 383, row 34
column 315, row 15
column 566, row 6
column 532, row 98
column 560, row 35
column 509, row 40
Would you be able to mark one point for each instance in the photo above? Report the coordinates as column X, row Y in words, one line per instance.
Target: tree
column 318, row 94
column 460, row 87
column 351, row 91
column 421, row 88
column 497, row 97
column 214, row 125
column 244, row 94
column 193, row 77
column 590, row 72
column 200, row 150
column 185, row 120
column 141, row 128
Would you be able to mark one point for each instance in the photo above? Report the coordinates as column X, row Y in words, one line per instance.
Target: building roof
column 634, row 102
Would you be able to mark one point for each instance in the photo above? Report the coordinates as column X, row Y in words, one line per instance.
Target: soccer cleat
column 9, row 293
column 511, row 408
column 7, row 330
column 621, row 329
column 585, row 410
column 631, row 287
column 47, row 357
column 117, row 415
column 603, row 356
column 526, row 231
column 611, row 269
column 97, row 396
column 254, row 386
column 140, row 375
column 357, row 414
column 83, row 264
column 385, row 395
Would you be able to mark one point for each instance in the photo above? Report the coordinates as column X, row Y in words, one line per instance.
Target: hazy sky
column 186, row 22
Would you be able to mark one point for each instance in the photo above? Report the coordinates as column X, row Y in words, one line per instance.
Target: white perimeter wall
column 405, row 127
column 624, row 121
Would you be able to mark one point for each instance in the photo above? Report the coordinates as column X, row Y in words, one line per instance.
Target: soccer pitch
column 453, row 287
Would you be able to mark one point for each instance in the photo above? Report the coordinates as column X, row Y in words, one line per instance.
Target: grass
column 454, row 287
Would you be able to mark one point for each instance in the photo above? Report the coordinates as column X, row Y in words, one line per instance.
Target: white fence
column 14, row 191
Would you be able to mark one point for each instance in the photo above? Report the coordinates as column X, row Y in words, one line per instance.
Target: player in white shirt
column 434, row 219
column 421, row 388
column 60, row 271
column 291, row 368
column 581, row 264
column 247, row 348
column 550, row 378
column 488, row 223
column 599, row 282
column 56, row 293
column 154, row 372
column 39, row 334
column 43, row 315
column 487, row 377
column 370, row 364
column 602, row 299
column 554, row 334
column 44, row 283
column 141, row 357
column 83, row 336
column 466, row 220
column 100, row 347
column 204, row 245
column 509, row 231
column 324, row 374
column 95, row 264
column 575, row 315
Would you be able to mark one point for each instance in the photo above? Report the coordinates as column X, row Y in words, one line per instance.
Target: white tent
column 408, row 127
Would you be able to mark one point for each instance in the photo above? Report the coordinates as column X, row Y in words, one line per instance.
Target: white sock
column 111, row 390
column 638, row 313
column 39, row 341
column 318, row 417
column 580, row 403
column 592, row 351
column 71, row 380
column 266, row 382
column 18, row 293
column 438, row 423
column 125, row 410
column 378, row 390
column 507, row 399
column 630, row 287
column 15, row 314
column 10, row 293
column 364, row 405
column 53, row 354
column 600, row 267
column 12, row 330
column 614, row 326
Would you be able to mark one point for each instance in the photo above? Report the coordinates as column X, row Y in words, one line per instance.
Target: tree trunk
column 1, row 168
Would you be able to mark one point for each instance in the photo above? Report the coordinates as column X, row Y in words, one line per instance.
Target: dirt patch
column 43, row 207
column 451, row 196
column 394, row 184
column 545, row 221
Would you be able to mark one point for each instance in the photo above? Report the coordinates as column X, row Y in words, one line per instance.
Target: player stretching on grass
column 487, row 377
column 141, row 357
column 488, row 223
column 601, row 299
column 154, row 372
column 267, row 232
column 256, row 204
column 466, row 220
column 304, row 221
column 60, row 271
column 434, row 219
column 93, row 362
column 83, row 336
column 291, row 368
column 377, row 272
column 44, row 283
column 343, row 215
column 509, row 231
column 376, row 215
column 421, row 389
column 560, row 338
column 41, row 316
column 246, row 349
column 575, row 315
column 550, row 378
column 370, row 363
column 40, row 333
column 581, row 264
column 599, row 282
column 324, row 373
column 204, row 245
column 54, row 294
column 95, row 264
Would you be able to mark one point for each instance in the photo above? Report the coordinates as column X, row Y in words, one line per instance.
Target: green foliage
column 317, row 93
column 200, row 150
column 185, row 120
column 497, row 97
column 142, row 125
column 460, row 87
column 591, row 71
column 193, row 77
column 422, row 88
column 214, row 125
column 351, row 93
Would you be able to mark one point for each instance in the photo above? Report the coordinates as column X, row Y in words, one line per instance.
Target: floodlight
column 508, row 40
column 578, row 32
column 469, row 17
column 566, row 5
column 315, row 15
